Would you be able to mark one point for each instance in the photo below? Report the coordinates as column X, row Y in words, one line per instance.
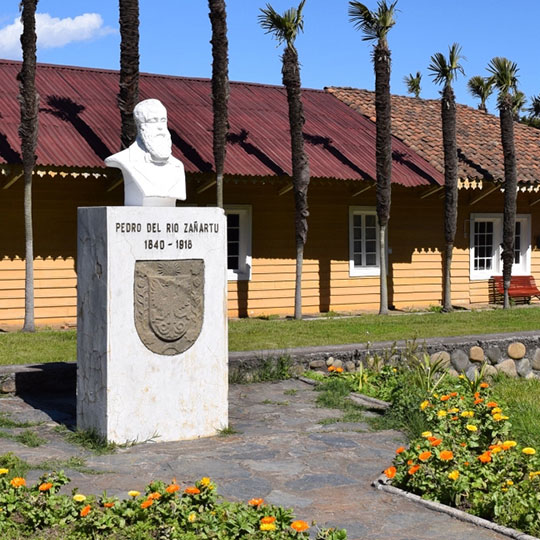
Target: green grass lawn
column 256, row 334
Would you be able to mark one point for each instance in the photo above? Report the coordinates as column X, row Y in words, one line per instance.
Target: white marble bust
column 152, row 176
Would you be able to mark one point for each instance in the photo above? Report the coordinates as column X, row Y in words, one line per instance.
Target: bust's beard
column 159, row 146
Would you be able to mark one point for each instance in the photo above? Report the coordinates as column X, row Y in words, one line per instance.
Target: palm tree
column 375, row 25
column 481, row 88
column 518, row 102
column 129, row 68
column 28, row 130
column 534, row 109
column 413, row 83
column 285, row 28
column 220, row 89
column 504, row 78
column 444, row 71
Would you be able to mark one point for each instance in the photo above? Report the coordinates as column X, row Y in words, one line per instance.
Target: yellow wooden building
column 79, row 127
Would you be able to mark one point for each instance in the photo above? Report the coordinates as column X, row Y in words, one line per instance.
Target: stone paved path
column 281, row 452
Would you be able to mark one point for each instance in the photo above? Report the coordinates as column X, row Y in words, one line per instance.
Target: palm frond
column 413, row 83
column 375, row 25
column 518, row 102
column 481, row 88
column 284, row 27
column 446, row 70
column 534, row 109
column 503, row 75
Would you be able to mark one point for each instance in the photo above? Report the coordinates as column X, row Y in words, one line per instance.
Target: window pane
column 370, row 220
column 357, row 220
column 233, row 235
column 517, row 244
column 233, row 220
column 232, row 263
column 357, row 260
column 371, row 259
column 483, row 245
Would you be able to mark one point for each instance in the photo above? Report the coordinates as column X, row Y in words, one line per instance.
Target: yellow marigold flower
column 205, row 481
column 496, row 449
column 509, row 483
column 532, row 474
column 453, row 410
column 79, row 497
column 267, row 527
column 470, row 427
column 18, row 482
column 427, row 434
column 529, row 451
column 134, row 493
column 424, row 404
column 467, row 414
column 4, row 471
column 496, row 410
column 441, row 414
column 498, row 417
column 299, row 525
column 454, row 475
column 192, row 517
column 508, row 444
column 461, row 376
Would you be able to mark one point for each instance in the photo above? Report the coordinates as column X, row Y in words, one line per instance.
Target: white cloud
column 52, row 32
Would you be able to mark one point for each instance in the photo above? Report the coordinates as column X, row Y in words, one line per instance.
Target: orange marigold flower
column 446, row 455
column 172, row 488
column 86, row 510
column 477, row 395
column 339, row 370
column 413, row 469
column 154, row 496
column 255, row 502
column 454, row 418
column 299, row 525
column 410, row 462
column 466, row 463
column 453, row 394
column 424, row 456
column 478, row 400
column 192, row 490
column 331, row 368
column 445, row 398
column 400, row 449
column 390, row 472
column 268, row 519
column 18, row 482
column 108, row 504
column 45, row 486
column 463, row 444
column 147, row 503
column 436, row 442
column 484, row 385
column 491, row 404
column 485, row 457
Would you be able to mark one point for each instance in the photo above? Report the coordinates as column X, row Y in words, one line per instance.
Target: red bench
column 523, row 287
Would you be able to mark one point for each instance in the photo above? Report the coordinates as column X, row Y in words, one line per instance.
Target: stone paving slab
column 281, row 453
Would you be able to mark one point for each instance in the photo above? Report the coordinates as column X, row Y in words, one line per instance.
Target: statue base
column 152, row 348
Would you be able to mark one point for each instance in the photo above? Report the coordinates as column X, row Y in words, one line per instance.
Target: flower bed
column 163, row 511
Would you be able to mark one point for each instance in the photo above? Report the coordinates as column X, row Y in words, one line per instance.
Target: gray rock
column 317, row 364
column 441, row 356
column 508, row 367
column 296, row 370
column 337, row 363
column 516, row 350
column 494, row 354
column 460, row 361
column 330, row 361
column 523, row 367
column 490, row 371
column 7, row 386
column 531, row 375
column 476, row 354
column 472, row 373
column 350, row 365
column 452, row 372
column 536, row 360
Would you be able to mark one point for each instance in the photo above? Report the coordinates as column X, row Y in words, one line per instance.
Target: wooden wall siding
column 55, row 245
column 415, row 237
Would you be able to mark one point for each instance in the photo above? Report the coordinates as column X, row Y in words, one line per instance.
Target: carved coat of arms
column 169, row 304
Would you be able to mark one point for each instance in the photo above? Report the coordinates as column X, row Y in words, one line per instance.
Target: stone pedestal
column 152, row 326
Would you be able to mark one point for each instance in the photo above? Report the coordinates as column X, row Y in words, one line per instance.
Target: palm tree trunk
column 510, row 193
column 448, row 118
column 300, row 165
column 29, row 104
column 383, row 155
column 220, row 89
column 129, row 68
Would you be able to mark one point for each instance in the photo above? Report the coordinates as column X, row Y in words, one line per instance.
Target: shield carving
column 169, row 304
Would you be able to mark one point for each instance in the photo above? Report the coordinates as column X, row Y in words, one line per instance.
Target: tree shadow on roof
column 241, row 140
column 484, row 173
column 190, row 152
column 7, row 151
column 401, row 157
column 67, row 110
column 326, row 143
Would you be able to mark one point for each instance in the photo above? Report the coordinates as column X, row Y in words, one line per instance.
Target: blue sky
column 175, row 38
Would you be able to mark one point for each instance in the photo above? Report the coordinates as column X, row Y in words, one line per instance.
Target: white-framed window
column 238, row 242
column 363, row 241
column 486, row 250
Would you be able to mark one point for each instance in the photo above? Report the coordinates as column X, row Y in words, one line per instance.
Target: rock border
column 381, row 484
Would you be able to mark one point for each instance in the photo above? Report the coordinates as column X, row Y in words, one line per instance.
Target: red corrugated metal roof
column 80, row 126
